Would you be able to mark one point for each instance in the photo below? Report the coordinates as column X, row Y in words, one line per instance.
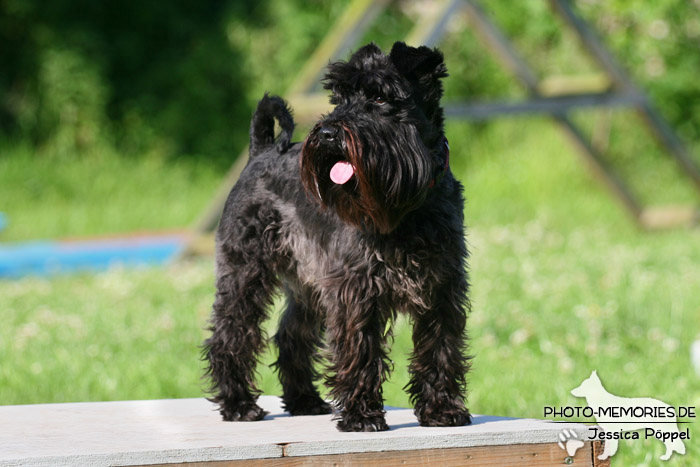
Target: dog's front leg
column 357, row 340
column 438, row 365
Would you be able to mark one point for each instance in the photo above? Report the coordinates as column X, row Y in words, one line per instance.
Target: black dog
column 362, row 220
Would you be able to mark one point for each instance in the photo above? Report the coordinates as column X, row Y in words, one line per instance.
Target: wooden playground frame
column 613, row 89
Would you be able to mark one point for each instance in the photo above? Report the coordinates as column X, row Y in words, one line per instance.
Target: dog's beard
column 390, row 173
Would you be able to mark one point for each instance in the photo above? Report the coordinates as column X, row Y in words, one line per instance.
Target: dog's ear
column 420, row 65
column 367, row 56
column 424, row 69
column 343, row 77
column 336, row 79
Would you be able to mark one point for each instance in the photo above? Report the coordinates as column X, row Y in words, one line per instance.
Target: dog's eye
column 379, row 100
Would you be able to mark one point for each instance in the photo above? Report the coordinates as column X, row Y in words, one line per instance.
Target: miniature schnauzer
column 362, row 220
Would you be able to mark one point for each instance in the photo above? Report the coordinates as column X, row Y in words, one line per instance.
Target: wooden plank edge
column 448, row 441
column 168, row 457
column 598, row 447
column 525, row 455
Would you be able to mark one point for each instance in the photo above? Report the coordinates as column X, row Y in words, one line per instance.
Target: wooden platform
column 190, row 432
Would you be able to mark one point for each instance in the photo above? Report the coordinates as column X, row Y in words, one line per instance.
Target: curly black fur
column 349, row 256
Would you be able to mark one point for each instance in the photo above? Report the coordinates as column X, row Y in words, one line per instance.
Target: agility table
column 190, row 432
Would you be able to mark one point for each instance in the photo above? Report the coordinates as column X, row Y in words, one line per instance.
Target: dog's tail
column 262, row 127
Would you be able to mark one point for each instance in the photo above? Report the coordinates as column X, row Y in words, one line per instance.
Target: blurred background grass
column 123, row 116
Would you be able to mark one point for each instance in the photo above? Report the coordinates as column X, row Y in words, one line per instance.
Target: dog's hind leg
column 245, row 286
column 673, row 446
column 298, row 338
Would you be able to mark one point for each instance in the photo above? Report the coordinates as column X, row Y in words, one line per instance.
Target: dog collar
column 441, row 171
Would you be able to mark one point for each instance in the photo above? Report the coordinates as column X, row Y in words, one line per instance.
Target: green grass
column 122, row 334
column 562, row 284
column 48, row 196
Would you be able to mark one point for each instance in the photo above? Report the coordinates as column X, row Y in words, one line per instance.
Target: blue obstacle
column 45, row 258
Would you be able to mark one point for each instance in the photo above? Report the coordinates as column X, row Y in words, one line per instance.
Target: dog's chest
column 337, row 259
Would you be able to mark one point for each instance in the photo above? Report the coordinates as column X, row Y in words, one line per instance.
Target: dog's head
column 376, row 155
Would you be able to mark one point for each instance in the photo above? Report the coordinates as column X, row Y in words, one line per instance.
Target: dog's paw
column 454, row 417
column 308, row 405
column 348, row 423
column 242, row 412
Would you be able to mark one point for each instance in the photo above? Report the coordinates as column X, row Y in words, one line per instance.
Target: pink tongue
column 342, row 172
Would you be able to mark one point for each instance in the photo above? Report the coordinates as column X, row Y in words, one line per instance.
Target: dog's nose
column 328, row 133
